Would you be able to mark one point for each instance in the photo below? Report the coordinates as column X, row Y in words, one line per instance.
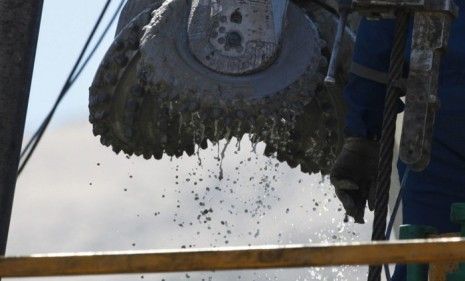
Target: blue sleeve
column 365, row 98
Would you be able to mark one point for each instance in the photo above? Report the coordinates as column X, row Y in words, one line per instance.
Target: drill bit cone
column 152, row 97
column 317, row 137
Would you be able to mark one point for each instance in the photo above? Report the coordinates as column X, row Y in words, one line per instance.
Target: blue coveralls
column 429, row 194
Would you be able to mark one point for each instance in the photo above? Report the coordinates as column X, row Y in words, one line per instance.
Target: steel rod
column 267, row 257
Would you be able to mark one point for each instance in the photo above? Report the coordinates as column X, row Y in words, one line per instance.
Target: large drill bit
column 151, row 96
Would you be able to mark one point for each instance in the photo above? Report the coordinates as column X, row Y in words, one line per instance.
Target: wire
column 68, row 83
column 387, row 138
column 397, row 204
column 99, row 41
column 38, row 134
column 395, row 210
column 76, row 71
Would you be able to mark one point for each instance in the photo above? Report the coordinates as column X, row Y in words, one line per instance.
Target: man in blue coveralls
column 428, row 194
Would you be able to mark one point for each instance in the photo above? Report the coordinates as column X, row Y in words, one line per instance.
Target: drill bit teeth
column 151, row 97
column 317, row 136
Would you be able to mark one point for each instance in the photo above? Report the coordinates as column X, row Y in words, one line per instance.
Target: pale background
column 76, row 195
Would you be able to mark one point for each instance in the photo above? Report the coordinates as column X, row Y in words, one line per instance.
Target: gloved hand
column 354, row 176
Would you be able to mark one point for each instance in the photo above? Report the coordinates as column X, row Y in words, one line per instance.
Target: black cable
column 78, row 73
column 38, row 134
column 66, row 85
column 395, row 210
column 71, row 81
column 99, row 41
column 72, row 77
column 387, row 137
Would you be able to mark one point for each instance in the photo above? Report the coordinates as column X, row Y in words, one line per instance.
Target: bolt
column 236, row 17
column 233, row 39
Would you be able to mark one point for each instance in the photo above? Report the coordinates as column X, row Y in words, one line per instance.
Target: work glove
column 354, row 176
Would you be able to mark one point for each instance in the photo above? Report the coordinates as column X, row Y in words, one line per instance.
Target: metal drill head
column 152, row 97
column 317, row 136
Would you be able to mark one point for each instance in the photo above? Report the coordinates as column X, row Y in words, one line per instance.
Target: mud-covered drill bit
column 151, row 96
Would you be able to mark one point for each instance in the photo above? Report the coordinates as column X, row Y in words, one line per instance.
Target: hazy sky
column 65, row 27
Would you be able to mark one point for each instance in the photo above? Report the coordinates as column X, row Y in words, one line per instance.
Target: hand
column 354, row 176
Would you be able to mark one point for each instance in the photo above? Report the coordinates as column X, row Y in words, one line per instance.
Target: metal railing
column 428, row 251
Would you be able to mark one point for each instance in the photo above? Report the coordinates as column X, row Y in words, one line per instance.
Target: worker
column 428, row 194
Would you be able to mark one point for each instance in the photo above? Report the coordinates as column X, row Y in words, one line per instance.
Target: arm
column 366, row 89
column 354, row 173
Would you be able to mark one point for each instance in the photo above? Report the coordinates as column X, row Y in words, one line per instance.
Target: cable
column 387, row 137
column 89, row 57
column 76, row 71
column 398, row 201
column 66, row 86
column 38, row 134
column 99, row 41
column 394, row 215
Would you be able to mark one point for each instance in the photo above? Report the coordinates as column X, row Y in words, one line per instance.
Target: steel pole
column 19, row 29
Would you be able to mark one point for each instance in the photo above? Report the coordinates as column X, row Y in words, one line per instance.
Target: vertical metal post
column 19, row 29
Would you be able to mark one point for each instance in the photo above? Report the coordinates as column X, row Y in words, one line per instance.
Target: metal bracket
column 432, row 21
column 430, row 36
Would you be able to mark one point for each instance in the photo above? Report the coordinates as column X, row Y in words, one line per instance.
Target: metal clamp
column 431, row 27
column 430, row 37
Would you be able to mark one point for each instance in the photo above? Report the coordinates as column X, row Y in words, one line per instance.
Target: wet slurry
column 232, row 195
column 138, row 204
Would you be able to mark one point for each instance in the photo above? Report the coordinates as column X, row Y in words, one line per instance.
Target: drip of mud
column 223, row 151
